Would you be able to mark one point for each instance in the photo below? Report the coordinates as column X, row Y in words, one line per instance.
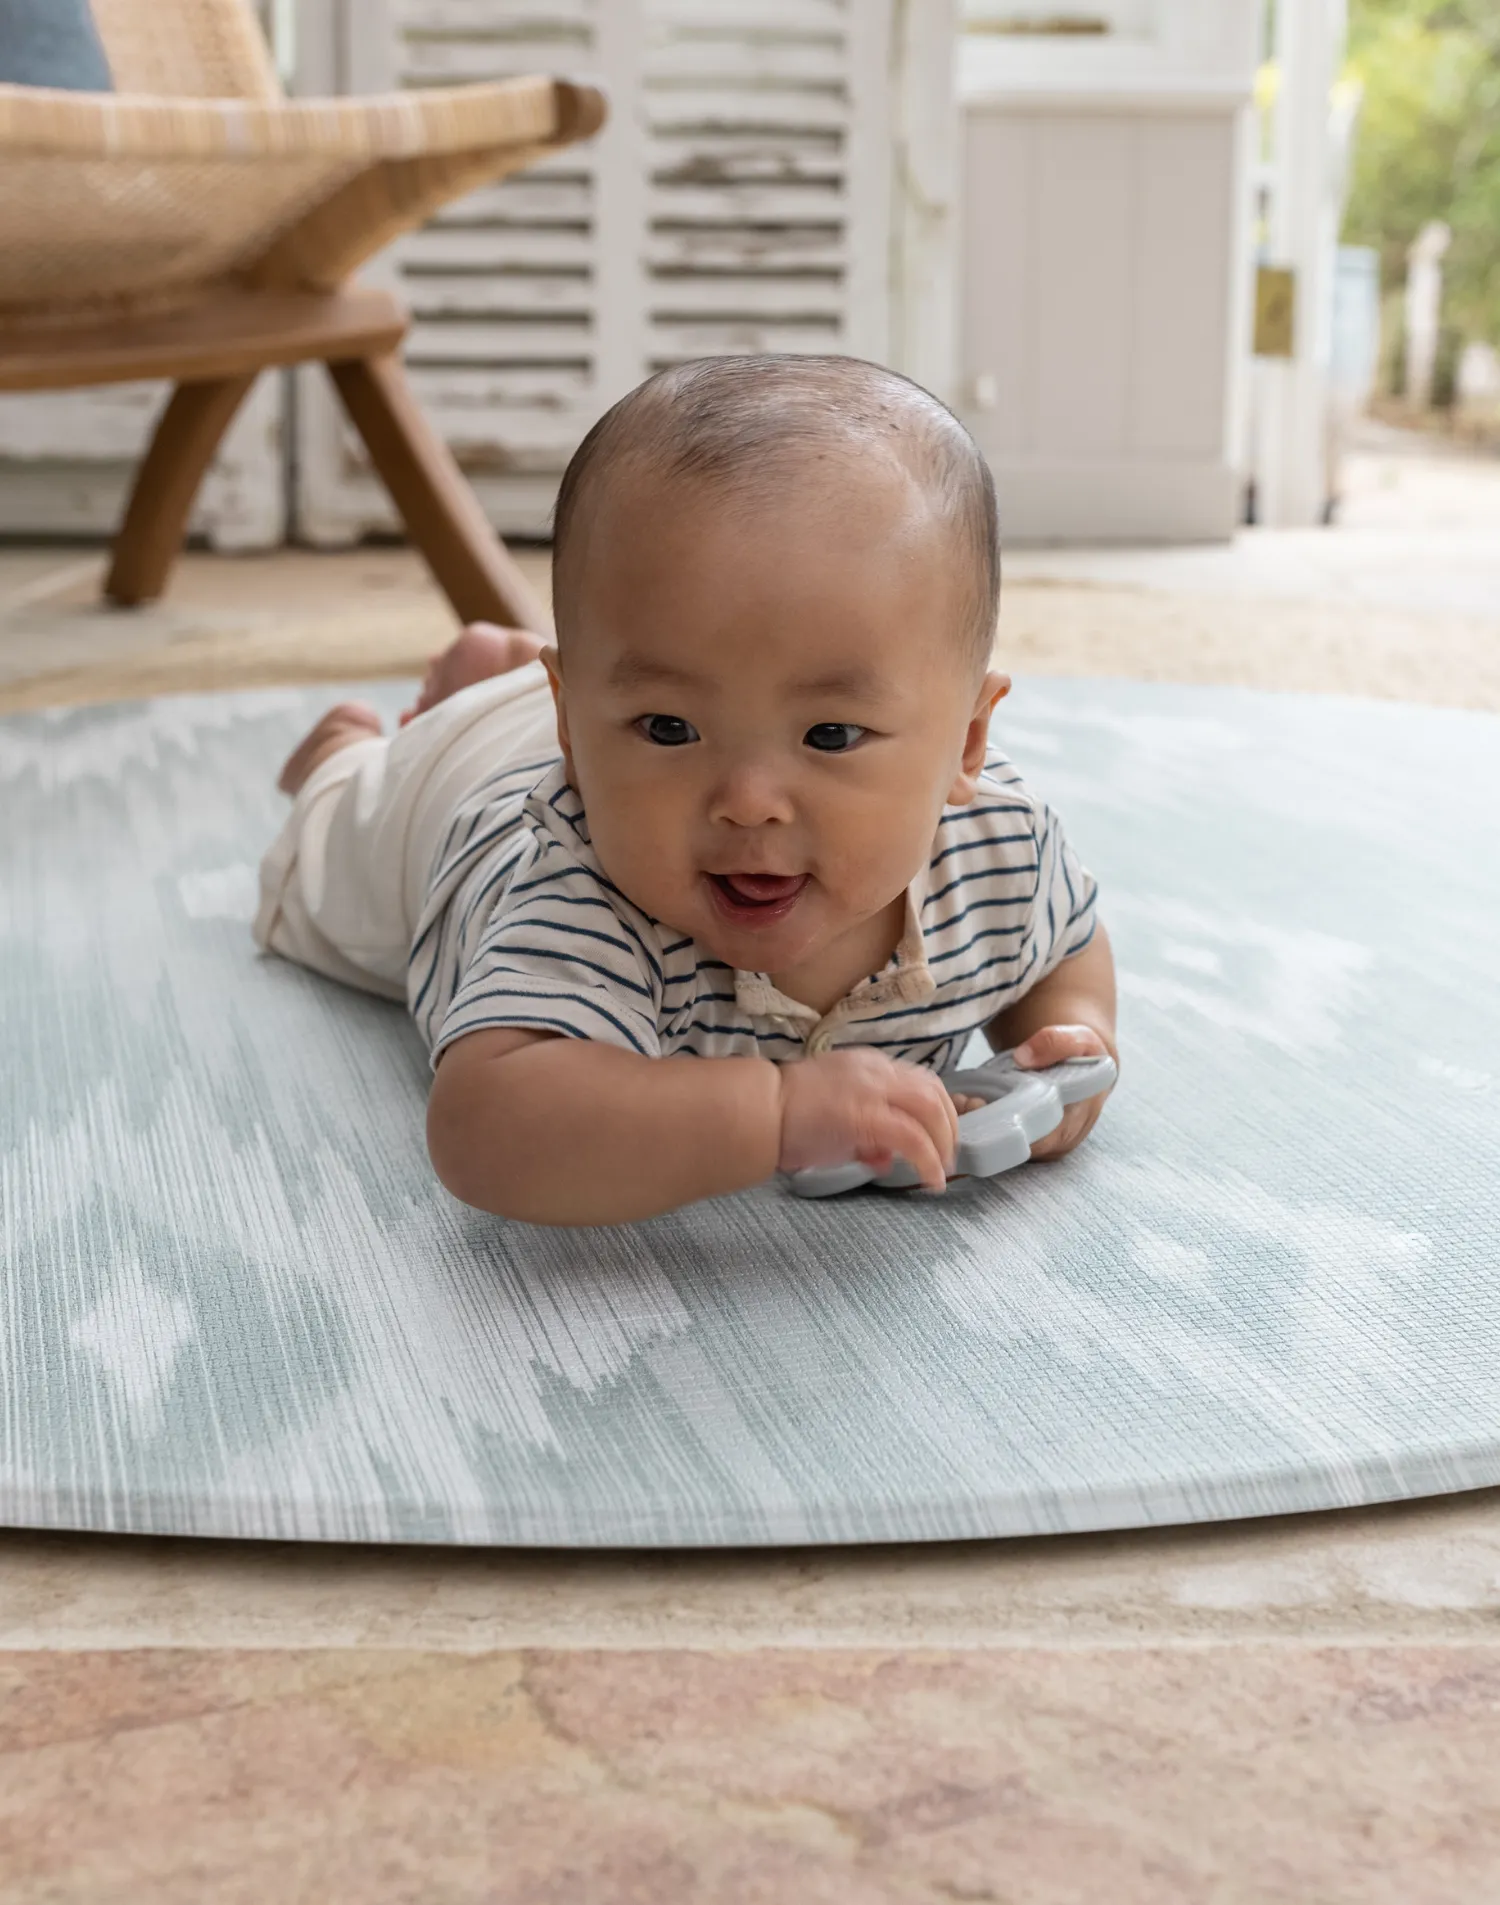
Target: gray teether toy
column 1020, row 1107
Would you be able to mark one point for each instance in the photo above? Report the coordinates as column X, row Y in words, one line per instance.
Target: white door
column 774, row 175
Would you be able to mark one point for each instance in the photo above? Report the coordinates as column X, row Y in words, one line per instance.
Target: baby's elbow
column 462, row 1149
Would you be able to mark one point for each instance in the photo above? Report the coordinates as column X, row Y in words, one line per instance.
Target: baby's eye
column 667, row 730
column 833, row 737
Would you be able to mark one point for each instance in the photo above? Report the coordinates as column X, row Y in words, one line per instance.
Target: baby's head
column 776, row 581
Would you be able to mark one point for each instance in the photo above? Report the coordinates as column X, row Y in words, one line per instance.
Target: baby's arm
column 1069, row 1014
column 566, row 1131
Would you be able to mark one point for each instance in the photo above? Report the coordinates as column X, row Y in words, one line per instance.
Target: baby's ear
column 993, row 689
column 551, row 661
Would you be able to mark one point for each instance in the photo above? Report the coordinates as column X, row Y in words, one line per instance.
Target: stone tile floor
column 1306, row 1709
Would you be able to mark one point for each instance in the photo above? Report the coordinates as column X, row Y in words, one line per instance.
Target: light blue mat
column 236, row 1303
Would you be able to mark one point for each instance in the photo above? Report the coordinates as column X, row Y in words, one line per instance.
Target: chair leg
column 472, row 566
column 155, row 522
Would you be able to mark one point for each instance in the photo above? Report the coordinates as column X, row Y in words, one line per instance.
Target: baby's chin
column 799, row 935
column 811, row 929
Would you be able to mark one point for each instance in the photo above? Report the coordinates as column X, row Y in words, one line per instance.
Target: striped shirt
column 522, row 927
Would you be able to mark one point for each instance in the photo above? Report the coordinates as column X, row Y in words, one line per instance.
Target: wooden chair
column 197, row 225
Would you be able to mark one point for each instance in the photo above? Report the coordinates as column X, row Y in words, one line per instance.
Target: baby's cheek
column 648, row 863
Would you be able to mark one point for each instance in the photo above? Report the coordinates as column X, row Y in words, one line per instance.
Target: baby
column 726, row 899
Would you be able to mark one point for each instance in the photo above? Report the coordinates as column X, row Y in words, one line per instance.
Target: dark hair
column 737, row 421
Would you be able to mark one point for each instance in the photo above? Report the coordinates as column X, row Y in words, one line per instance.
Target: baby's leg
column 478, row 654
column 343, row 886
column 348, row 721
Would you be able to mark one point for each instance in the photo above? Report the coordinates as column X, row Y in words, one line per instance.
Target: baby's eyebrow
column 854, row 682
column 850, row 681
column 640, row 671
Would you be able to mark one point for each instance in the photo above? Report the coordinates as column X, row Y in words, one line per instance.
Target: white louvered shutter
column 774, row 175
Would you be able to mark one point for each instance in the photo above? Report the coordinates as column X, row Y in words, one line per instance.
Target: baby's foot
column 478, row 654
column 350, row 721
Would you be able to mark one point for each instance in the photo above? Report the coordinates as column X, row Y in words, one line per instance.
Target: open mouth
column 756, row 899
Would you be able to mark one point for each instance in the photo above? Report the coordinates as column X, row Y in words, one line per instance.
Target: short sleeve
column 1063, row 914
column 562, row 953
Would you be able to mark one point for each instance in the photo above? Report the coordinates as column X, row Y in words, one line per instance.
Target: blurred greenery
column 1428, row 144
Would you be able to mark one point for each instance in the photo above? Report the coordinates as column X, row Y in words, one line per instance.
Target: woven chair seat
column 122, row 199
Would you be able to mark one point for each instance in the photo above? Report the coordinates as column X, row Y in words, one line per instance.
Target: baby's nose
column 751, row 794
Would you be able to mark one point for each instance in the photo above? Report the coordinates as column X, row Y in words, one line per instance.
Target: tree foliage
column 1429, row 143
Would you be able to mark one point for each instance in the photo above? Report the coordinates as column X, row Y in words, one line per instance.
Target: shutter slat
column 439, row 62
column 750, row 61
column 817, row 203
column 483, row 17
column 775, row 249
column 488, row 341
column 722, row 109
column 728, row 158
column 554, row 387
column 756, row 16
column 526, row 440
column 687, row 298
column 497, row 248
column 673, row 342
column 436, row 294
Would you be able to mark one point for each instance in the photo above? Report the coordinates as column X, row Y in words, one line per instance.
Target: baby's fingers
column 1078, row 1122
column 922, row 1096
column 1055, row 1043
column 903, row 1136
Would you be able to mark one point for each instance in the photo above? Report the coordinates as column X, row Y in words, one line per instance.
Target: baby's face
column 765, row 709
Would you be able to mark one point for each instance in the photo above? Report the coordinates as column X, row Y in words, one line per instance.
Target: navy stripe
column 579, row 999
column 973, row 813
column 1000, row 959
column 737, row 1031
column 471, row 851
column 518, row 1023
column 698, row 998
column 990, row 932
column 506, row 868
column 577, row 866
column 980, row 906
column 590, row 899
column 934, row 1006
column 512, row 822
column 984, row 873
column 945, row 1044
column 533, row 951
column 518, row 770
column 1088, row 936
column 1083, row 905
column 574, row 819
column 985, row 840
column 421, row 998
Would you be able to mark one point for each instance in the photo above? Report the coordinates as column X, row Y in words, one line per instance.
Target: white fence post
column 1292, row 460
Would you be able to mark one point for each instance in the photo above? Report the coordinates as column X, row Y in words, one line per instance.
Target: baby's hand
column 858, row 1105
column 1051, row 1046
